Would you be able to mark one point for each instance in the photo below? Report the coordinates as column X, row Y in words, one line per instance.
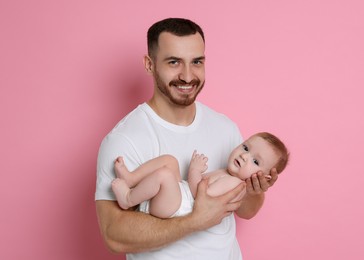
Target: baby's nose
column 244, row 156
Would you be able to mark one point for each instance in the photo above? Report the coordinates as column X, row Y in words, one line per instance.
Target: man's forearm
column 131, row 232
column 250, row 205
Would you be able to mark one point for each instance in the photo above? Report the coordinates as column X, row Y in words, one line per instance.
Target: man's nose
column 186, row 74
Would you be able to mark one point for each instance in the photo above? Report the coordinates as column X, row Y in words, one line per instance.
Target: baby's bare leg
column 122, row 192
column 134, row 177
column 168, row 199
column 198, row 165
column 160, row 187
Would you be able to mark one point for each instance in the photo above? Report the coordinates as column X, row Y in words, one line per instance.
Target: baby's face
column 254, row 155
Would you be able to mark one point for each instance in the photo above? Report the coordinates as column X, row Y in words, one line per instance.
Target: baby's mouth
column 237, row 162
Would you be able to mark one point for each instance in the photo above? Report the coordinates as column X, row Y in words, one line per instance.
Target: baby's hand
column 198, row 162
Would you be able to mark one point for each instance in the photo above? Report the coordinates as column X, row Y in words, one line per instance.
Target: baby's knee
column 167, row 174
column 170, row 159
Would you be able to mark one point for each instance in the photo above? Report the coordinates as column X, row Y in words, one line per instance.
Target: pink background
column 71, row 70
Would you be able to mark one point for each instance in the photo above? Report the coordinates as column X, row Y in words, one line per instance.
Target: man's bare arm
column 132, row 232
column 256, row 187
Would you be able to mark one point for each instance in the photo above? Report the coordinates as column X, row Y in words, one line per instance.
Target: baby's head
column 260, row 152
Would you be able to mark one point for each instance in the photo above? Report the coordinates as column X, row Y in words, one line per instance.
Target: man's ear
column 148, row 64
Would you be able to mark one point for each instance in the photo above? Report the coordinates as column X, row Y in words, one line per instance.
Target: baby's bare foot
column 121, row 191
column 122, row 172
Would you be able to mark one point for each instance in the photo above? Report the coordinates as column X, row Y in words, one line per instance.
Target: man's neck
column 174, row 114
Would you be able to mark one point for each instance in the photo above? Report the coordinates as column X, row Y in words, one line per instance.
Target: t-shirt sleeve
column 237, row 137
column 112, row 146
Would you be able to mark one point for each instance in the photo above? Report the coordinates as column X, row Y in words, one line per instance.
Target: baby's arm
column 198, row 165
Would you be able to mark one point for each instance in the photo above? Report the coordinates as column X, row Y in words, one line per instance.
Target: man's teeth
column 184, row 87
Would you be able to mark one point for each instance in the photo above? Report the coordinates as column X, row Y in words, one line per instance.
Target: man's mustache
column 182, row 82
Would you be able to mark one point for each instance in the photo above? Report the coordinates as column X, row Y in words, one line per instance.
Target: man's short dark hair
column 176, row 26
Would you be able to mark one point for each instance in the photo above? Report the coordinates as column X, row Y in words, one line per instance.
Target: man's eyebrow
column 177, row 58
column 172, row 58
column 200, row 58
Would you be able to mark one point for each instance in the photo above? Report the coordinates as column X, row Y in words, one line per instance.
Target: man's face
column 179, row 67
column 254, row 155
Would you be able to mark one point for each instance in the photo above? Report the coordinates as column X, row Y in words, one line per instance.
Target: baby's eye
column 245, row 148
column 256, row 162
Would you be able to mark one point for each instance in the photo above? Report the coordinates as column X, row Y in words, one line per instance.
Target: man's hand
column 256, row 186
column 259, row 184
column 209, row 211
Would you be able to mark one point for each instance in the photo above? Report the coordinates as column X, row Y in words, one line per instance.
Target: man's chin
column 184, row 102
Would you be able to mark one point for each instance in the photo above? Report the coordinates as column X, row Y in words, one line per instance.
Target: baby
column 157, row 185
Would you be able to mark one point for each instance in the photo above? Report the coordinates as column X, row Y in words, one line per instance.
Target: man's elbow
column 107, row 211
column 114, row 247
column 246, row 215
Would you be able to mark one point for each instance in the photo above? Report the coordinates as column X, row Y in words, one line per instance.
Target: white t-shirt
column 143, row 135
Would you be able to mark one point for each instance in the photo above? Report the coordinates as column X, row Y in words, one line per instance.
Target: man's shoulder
column 211, row 114
column 132, row 126
column 133, row 121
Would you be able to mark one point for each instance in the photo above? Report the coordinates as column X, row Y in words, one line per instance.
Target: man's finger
column 202, row 186
column 274, row 174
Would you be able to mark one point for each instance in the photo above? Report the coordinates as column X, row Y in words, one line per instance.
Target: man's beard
column 186, row 99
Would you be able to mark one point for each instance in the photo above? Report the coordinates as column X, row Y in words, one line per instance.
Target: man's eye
column 173, row 62
column 256, row 162
column 197, row 62
column 245, row 148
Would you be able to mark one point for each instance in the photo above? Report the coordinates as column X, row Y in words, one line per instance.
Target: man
column 171, row 122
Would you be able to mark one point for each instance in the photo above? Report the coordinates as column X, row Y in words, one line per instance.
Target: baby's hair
column 279, row 146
